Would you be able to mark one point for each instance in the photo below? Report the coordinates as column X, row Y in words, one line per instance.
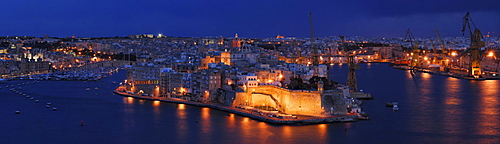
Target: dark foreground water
column 433, row 109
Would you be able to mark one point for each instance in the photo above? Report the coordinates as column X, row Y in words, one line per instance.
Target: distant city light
column 454, row 54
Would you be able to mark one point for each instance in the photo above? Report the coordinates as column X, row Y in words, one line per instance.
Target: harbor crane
column 475, row 45
column 353, row 66
column 415, row 63
column 434, row 53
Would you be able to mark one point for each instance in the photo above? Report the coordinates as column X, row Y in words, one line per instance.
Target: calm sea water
column 433, row 109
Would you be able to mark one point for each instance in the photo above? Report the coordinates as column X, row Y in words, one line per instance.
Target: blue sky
column 248, row 18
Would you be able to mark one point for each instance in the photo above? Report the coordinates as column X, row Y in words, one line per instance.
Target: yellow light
column 156, row 103
column 182, row 90
column 425, row 58
column 181, row 106
column 490, row 54
column 454, row 54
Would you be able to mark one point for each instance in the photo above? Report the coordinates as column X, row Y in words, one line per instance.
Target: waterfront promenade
column 300, row 120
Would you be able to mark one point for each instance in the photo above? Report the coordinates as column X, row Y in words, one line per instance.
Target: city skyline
column 387, row 18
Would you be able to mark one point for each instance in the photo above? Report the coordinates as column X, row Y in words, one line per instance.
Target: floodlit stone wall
column 303, row 102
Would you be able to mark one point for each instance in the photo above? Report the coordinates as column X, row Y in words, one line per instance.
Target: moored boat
column 391, row 104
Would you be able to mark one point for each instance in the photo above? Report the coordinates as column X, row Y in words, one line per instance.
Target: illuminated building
column 144, row 78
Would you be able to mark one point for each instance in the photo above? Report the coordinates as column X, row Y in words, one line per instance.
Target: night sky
column 248, row 18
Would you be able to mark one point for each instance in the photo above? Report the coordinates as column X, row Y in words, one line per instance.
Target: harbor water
column 433, row 109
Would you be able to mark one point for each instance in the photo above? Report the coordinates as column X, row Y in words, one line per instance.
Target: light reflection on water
column 246, row 128
column 156, row 109
column 452, row 90
column 156, row 103
column 205, row 122
column 264, row 132
column 418, row 101
column 128, row 100
column 232, row 120
column 488, row 108
column 452, row 122
column 322, row 131
column 464, row 107
column 287, row 132
column 182, row 126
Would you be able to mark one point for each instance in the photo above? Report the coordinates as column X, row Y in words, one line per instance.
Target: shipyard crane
column 353, row 66
column 475, row 45
column 415, row 63
column 434, row 52
column 444, row 51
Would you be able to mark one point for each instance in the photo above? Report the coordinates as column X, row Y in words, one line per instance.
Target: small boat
column 54, row 109
column 391, row 104
column 347, row 120
column 96, row 88
column 37, row 101
column 395, row 107
column 47, row 106
column 87, row 89
column 363, row 118
column 113, row 82
column 18, row 112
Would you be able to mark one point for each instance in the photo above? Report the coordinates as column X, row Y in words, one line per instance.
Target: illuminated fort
column 301, row 102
